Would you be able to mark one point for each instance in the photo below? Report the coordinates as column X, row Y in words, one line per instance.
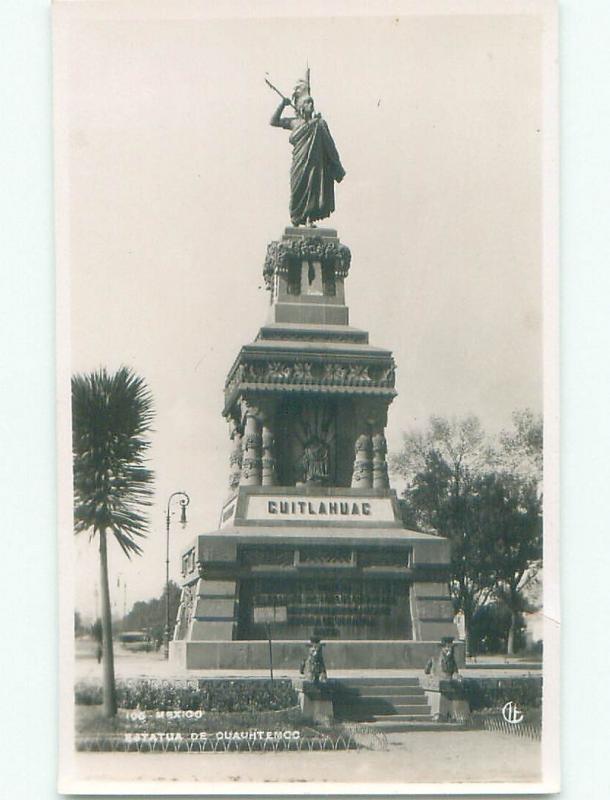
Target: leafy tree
column 520, row 451
column 459, row 443
column 489, row 628
column 149, row 615
column 440, row 466
column 111, row 417
column 96, row 630
column 514, row 526
column 485, row 499
column 519, row 459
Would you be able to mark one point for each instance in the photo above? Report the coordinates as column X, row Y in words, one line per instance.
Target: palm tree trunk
column 109, row 695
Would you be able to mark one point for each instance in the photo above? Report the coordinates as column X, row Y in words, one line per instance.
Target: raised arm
column 276, row 120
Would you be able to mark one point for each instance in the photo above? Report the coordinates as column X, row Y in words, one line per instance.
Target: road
column 417, row 757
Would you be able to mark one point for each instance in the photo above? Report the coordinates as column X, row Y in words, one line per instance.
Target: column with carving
column 380, row 467
column 362, row 477
column 268, row 460
column 236, row 457
column 251, row 450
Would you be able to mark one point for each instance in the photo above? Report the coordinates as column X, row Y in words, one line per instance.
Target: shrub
column 493, row 693
column 190, row 695
column 88, row 694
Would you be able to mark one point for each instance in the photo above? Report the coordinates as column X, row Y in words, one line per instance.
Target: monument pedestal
column 447, row 700
column 311, row 540
column 316, row 701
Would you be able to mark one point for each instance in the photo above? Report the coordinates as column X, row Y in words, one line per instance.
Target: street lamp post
column 184, row 501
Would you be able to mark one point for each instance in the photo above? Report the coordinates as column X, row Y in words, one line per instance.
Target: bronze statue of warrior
column 315, row 160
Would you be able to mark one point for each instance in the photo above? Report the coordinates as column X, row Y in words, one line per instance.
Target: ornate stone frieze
column 277, row 370
column 185, row 611
column 325, row 555
column 302, row 371
column 321, row 372
column 188, row 562
column 267, row 556
column 281, row 256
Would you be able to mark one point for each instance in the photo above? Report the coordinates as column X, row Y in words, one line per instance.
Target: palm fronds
column 111, row 415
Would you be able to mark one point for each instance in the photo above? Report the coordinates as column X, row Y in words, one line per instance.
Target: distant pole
column 184, row 501
column 270, row 650
column 122, row 583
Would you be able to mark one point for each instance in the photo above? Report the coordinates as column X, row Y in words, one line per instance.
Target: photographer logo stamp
column 511, row 713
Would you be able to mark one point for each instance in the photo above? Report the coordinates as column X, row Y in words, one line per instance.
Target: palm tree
column 111, row 415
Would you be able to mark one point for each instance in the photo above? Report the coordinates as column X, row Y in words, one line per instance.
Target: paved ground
column 414, row 757
column 154, row 665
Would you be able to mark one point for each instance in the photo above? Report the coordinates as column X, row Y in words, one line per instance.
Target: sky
column 171, row 183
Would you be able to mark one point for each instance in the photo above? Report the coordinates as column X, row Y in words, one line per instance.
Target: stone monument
column 310, row 537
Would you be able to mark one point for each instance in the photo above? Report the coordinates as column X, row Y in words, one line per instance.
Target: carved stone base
column 447, row 700
column 316, row 701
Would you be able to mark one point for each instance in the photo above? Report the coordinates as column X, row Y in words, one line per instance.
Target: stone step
column 377, row 701
column 382, row 702
column 407, row 710
column 401, row 717
column 375, row 715
column 377, row 681
column 386, row 691
column 392, row 726
column 376, row 712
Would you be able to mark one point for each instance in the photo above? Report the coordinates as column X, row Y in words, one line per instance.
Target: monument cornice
column 269, row 388
column 303, row 372
column 297, row 371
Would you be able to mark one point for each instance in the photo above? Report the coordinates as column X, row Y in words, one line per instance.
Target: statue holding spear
column 315, row 160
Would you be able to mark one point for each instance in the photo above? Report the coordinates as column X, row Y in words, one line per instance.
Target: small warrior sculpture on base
column 443, row 666
column 315, row 462
column 315, row 160
column 313, row 667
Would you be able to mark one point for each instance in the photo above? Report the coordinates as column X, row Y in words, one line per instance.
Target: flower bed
column 196, row 731
column 194, row 694
column 493, row 693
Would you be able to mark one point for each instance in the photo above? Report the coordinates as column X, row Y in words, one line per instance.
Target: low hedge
column 192, row 695
column 488, row 693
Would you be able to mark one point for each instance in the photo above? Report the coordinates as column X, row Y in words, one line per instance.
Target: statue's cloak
column 315, row 168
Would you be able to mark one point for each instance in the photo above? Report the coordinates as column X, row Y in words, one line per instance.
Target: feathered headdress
column 301, row 91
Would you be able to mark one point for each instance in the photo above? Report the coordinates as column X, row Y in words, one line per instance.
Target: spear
column 275, row 89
